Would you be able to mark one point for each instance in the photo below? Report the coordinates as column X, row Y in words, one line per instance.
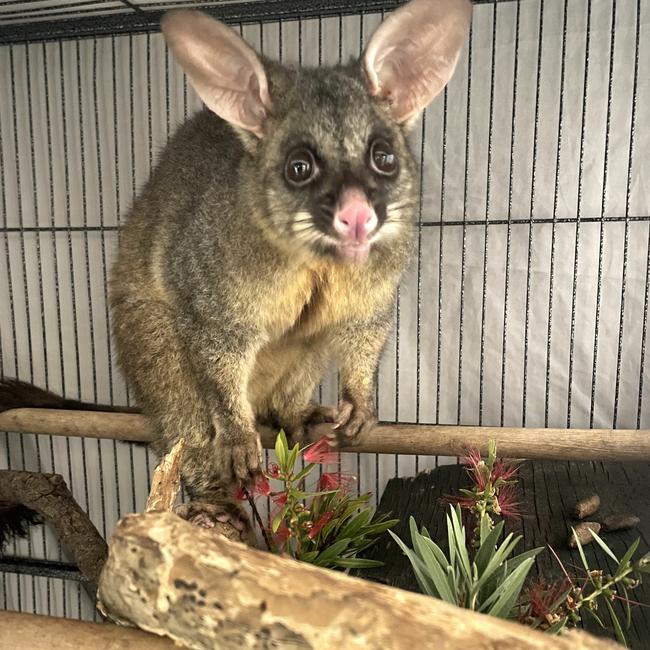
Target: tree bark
column 48, row 495
column 204, row 591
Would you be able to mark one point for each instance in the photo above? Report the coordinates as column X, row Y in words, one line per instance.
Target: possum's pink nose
column 355, row 218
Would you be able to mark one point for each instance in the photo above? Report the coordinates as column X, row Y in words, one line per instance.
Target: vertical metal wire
column 532, row 212
column 25, row 284
column 576, row 258
column 100, row 197
column 487, row 214
column 601, row 225
column 84, row 213
column 133, row 192
column 443, row 179
column 39, row 259
column 116, row 171
column 506, row 289
column 463, row 264
column 3, row 204
column 73, row 294
column 628, row 193
column 558, row 155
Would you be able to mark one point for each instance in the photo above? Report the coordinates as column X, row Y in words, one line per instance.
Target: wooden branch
column 204, row 591
column 30, row 632
column 166, row 481
column 422, row 439
column 48, row 495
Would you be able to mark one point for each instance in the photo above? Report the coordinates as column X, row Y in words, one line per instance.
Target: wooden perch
column 205, row 592
column 424, row 439
column 48, row 495
column 29, row 632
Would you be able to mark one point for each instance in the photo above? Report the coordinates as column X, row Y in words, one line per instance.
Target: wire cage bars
column 527, row 301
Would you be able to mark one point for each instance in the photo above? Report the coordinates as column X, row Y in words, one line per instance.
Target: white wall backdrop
column 526, row 305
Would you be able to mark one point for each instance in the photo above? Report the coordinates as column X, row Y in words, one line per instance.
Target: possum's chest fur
column 304, row 320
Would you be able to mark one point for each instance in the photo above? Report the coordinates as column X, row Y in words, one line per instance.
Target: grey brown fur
column 220, row 313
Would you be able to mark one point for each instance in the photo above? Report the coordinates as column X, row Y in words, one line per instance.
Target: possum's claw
column 352, row 423
column 211, row 515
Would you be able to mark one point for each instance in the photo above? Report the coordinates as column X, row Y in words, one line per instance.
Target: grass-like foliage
column 490, row 580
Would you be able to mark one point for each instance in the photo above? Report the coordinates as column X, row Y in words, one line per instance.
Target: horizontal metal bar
column 44, row 568
column 456, row 222
column 149, row 20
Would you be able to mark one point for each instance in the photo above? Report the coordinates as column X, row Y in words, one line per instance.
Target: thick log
column 422, row 439
column 50, row 497
column 204, row 591
column 30, row 632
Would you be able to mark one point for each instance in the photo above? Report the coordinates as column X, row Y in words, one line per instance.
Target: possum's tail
column 15, row 518
column 20, row 394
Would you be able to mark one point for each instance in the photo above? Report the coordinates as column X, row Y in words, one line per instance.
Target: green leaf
column 379, row 527
column 595, row 616
column 437, row 573
column 628, row 611
column 277, row 520
column 310, row 556
column 419, row 569
column 628, row 555
column 331, row 552
column 357, row 563
column 502, row 552
column 514, row 562
column 356, row 523
column 604, row 546
column 582, row 556
column 461, row 543
column 488, row 546
column 293, row 457
column 509, row 591
column 303, row 472
column 281, row 449
column 618, row 630
column 451, row 541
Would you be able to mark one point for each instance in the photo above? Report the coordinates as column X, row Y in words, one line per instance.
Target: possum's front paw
column 352, row 423
column 239, row 459
column 225, row 517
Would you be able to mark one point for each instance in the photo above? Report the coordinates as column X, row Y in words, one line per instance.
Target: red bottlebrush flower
column 336, row 481
column 282, row 534
column 279, row 499
column 503, row 471
column 508, row 502
column 261, row 487
column 320, row 524
column 320, row 452
column 542, row 595
column 476, row 468
column 273, row 471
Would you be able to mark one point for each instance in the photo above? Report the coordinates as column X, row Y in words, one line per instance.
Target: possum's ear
column 413, row 53
column 225, row 72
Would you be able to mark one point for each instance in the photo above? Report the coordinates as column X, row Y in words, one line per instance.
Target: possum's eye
column 383, row 160
column 301, row 167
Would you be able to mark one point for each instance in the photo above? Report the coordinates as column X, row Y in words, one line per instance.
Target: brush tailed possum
column 271, row 237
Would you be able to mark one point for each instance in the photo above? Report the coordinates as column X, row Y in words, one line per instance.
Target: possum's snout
column 354, row 221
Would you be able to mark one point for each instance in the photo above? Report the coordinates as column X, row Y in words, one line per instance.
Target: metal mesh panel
column 527, row 301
